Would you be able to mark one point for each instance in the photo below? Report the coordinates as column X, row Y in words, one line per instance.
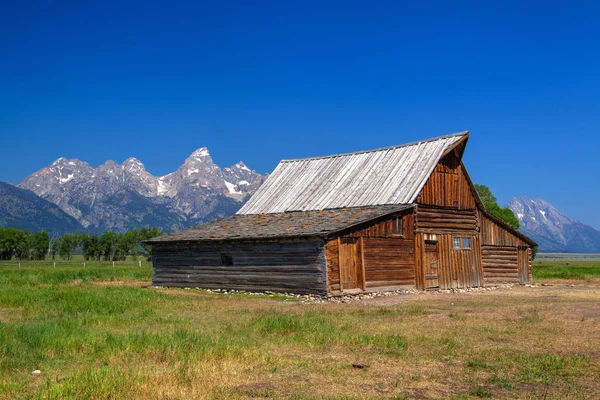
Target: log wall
column 446, row 220
column 389, row 262
column 500, row 264
column 296, row 267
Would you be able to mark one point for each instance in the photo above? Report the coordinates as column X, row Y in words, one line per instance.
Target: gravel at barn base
column 359, row 297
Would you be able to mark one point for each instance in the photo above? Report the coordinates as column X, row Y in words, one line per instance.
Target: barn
column 405, row 216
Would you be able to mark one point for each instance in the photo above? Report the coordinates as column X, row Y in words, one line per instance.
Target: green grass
column 100, row 332
column 567, row 270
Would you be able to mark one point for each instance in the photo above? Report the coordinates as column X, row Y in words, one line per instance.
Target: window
column 457, row 243
column 462, row 243
column 226, row 258
column 397, row 226
column 466, row 243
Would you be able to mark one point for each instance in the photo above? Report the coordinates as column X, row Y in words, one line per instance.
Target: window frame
column 456, row 243
column 468, row 241
column 461, row 242
column 397, row 226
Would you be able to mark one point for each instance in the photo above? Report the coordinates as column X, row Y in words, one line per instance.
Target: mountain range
column 553, row 230
column 120, row 197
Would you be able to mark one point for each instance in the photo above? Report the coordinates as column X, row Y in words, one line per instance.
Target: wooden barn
column 397, row 217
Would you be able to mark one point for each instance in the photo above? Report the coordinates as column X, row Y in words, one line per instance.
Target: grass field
column 99, row 332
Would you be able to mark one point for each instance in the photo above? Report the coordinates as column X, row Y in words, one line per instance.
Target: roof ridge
column 462, row 133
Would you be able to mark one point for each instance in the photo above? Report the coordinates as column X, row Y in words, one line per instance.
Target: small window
column 397, row 226
column 466, row 243
column 226, row 258
column 457, row 243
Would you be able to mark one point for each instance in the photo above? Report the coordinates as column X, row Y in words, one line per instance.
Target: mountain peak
column 132, row 160
column 62, row 162
column 109, row 164
column 201, row 152
column 552, row 229
column 241, row 165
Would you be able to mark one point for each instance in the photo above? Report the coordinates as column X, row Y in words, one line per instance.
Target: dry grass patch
column 108, row 337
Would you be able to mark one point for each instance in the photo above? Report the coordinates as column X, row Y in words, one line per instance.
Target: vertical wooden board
column 333, row 266
column 419, row 277
column 360, row 260
column 340, row 263
column 445, row 263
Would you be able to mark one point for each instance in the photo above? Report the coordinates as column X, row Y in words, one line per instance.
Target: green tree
column 70, row 243
column 486, row 194
column 108, row 244
column 55, row 246
column 14, row 242
column 91, row 247
column 39, row 243
column 127, row 244
column 146, row 234
column 22, row 249
column 491, row 205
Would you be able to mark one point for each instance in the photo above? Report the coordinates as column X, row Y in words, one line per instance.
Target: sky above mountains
column 260, row 82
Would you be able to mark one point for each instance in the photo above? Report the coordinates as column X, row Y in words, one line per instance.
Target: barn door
column 350, row 264
column 431, row 264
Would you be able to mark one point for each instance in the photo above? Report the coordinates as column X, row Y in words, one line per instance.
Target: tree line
column 110, row 246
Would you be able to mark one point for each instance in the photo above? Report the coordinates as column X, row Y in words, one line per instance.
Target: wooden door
column 431, row 264
column 351, row 276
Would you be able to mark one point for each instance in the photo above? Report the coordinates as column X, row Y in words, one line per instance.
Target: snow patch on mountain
column 232, row 188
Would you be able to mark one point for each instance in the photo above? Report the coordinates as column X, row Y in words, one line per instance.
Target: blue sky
column 261, row 81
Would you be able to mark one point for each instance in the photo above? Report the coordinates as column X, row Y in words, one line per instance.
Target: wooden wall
column 506, row 264
column 500, row 264
column 448, row 186
column 332, row 259
column 386, row 260
column 389, row 262
column 506, row 257
column 458, row 268
column 445, row 220
column 295, row 266
column 494, row 234
column 383, row 229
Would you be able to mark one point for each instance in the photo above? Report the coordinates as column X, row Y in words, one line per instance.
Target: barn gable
column 393, row 175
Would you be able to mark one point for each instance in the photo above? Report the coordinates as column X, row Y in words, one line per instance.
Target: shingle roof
column 318, row 223
column 393, row 175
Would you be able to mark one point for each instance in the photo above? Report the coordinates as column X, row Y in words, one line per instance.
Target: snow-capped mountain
column 553, row 230
column 120, row 197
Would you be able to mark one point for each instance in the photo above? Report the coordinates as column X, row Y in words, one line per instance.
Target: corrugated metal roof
column 393, row 175
column 319, row 223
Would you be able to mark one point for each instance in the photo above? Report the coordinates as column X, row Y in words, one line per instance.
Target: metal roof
column 320, row 223
column 392, row 175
